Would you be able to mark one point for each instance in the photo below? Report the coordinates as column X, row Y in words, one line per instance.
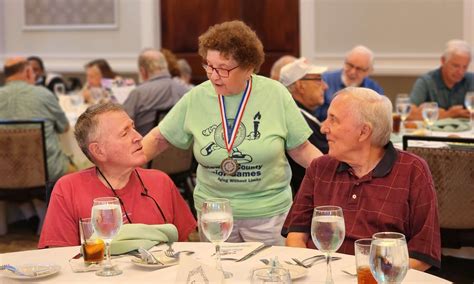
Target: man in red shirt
column 107, row 136
column 378, row 187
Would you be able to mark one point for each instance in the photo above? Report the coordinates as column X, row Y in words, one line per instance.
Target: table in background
column 68, row 141
column 240, row 270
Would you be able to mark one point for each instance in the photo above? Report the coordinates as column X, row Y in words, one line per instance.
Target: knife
column 254, row 252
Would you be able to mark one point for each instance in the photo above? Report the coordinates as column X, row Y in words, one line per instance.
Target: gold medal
column 229, row 166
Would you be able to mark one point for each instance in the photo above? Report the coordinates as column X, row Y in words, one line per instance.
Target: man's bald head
column 17, row 68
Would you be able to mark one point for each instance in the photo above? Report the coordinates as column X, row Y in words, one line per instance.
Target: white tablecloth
column 240, row 270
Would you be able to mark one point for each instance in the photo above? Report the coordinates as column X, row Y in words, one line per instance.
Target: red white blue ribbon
column 229, row 136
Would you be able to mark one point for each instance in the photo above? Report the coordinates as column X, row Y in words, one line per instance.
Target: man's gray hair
column 86, row 130
column 361, row 49
column 152, row 60
column 456, row 46
column 373, row 109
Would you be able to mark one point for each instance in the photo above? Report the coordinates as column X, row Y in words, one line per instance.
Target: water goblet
column 59, row 89
column 106, row 218
column 469, row 103
column 327, row 232
column 430, row 112
column 388, row 257
column 276, row 275
column 216, row 223
column 403, row 108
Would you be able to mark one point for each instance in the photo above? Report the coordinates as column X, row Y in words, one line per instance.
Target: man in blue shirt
column 358, row 65
column 446, row 85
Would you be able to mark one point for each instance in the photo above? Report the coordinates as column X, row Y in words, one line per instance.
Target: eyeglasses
column 312, row 79
column 223, row 73
column 357, row 68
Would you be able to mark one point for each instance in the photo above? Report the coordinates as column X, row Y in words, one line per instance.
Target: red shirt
column 73, row 196
column 398, row 196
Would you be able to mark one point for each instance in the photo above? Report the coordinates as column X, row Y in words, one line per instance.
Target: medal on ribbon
column 229, row 165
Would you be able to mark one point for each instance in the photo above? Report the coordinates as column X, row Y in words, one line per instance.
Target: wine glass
column 469, row 103
column 327, row 232
column 216, row 223
column 388, row 257
column 59, row 90
column 403, row 107
column 106, row 218
column 430, row 112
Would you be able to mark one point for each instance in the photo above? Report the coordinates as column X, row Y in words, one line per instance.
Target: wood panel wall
column 276, row 22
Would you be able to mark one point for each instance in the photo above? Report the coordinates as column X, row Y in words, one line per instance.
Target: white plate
column 42, row 270
column 296, row 271
column 165, row 261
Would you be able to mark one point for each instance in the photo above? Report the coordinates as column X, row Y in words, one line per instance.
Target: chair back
column 178, row 164
column 453, row 175
column 23, row 162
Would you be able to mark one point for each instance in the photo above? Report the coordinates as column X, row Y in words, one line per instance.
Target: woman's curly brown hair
column 234, row 39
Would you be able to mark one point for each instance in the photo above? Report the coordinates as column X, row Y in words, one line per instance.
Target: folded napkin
column 134, row 236
column 451, row 125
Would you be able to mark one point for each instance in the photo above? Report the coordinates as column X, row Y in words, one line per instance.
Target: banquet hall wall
column 406, row 36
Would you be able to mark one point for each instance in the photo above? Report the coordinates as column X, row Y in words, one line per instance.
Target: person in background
column 158, row 91
column 46, row 79
column 96, row 70
column 277, row 65
column 107, row 136
column 446, row 85
column 172, row 61
column 358, row 65
column 241, row 157
column 378, row 187
column 186, row 72
column 305, row 84
column 20, row 99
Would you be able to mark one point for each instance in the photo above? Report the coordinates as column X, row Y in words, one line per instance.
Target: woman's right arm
column 154, row 143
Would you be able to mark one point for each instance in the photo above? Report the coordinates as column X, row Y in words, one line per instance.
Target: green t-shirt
column 271, row 124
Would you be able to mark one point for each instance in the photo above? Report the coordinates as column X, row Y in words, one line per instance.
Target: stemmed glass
column 469, row 103
column 403, row 107
column 430, row 112
column 274, row 275
column 328, row 231
column 106, row 219
column 388, row 257
column 216, row 223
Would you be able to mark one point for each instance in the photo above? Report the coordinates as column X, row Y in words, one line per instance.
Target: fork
column 170, row 251
column 12, row 269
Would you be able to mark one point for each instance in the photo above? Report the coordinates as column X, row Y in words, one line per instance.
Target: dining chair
column 179, row 164
column 23, row 162
column 452, row 169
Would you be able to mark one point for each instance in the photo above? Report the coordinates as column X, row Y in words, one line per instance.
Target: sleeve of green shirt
column 58, row 116
column 419, row 93
column 172, row 126
column 298, row 129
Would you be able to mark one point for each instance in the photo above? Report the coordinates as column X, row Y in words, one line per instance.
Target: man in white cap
column 307, row 87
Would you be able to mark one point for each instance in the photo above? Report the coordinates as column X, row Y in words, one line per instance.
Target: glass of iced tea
column 362, row 253
column 92, row 248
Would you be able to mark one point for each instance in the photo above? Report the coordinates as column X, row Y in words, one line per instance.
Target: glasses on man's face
column 316, row 79
column 357, row 68
column 222, row 72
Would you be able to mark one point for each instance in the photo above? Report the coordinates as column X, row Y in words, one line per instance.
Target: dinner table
column 203, row 253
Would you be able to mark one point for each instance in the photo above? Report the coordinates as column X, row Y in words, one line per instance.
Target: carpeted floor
column 19, row 237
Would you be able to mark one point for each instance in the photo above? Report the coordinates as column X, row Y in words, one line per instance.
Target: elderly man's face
column 119, row 141
column 313, row 90
column 342, row 129
column 454, row 68
column 356, row 68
